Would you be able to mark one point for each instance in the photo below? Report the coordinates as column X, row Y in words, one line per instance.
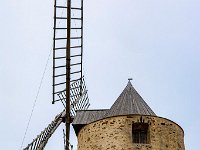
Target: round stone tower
column 129, row 124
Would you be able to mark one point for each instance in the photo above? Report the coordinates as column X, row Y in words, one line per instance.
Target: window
column 140, row 133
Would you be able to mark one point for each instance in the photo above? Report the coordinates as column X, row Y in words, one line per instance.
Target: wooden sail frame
column 68, row 82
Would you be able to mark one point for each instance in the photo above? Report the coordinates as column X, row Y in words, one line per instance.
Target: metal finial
column 129, row 79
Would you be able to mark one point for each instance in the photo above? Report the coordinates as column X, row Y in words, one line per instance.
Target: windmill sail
column 67, row 45
column 41, row 140
column 67, row 54
column 68, row 82
column 76, row 103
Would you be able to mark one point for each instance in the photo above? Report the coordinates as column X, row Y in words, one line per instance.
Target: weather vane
column 129, row 79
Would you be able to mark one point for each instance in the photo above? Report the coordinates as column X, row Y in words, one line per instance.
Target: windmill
column 68, row 80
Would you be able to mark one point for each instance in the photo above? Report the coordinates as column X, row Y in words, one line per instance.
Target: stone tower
column 129, row 124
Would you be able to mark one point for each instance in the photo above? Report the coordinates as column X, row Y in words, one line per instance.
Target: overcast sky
column 155, row 42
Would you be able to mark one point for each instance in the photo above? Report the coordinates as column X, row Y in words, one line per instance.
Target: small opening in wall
column 140, row 133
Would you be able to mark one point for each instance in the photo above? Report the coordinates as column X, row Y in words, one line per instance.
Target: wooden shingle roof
column 84, row 117
column 88, row 116
column 129, row 102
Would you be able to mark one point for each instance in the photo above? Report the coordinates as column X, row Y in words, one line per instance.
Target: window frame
column 140, row 133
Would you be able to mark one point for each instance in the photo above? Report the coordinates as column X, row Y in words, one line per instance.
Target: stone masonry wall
column 115, row 133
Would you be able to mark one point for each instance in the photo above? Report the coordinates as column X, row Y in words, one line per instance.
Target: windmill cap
column 129, row 102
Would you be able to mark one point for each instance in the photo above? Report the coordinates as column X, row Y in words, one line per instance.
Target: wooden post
column 67, row 123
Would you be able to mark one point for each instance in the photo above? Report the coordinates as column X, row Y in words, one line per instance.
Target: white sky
column 155, row 42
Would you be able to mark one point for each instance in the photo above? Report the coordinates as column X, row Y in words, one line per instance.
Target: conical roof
column 129, row 102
